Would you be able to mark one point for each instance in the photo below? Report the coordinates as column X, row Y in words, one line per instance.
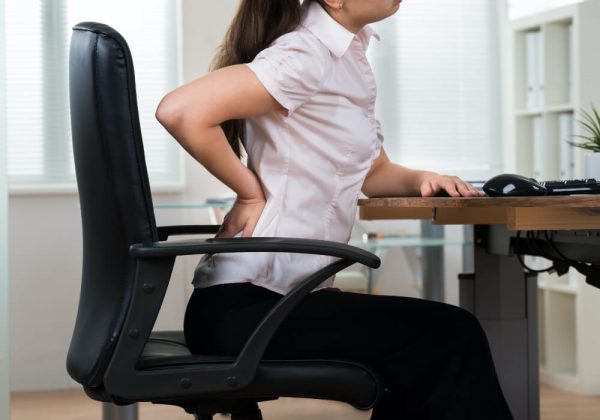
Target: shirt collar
column 333, row 35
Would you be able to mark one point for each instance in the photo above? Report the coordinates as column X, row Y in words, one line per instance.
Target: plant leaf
column 593, row 121
column 597, row 120
column 586, row 146
column 595, row 131
column 586, row 138
column 589, row 143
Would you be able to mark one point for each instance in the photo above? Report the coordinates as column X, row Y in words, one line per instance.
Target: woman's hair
column 256, row 25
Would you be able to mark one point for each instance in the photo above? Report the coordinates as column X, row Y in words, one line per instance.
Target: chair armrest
column 155, row 263
column 229, row 245
column 165, row 231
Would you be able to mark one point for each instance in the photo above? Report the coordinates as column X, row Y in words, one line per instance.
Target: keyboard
column 571, row 186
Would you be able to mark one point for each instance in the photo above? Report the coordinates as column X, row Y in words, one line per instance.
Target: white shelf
column 556, row 51
column 529, row 112
column 560, row 108
column 526, row 112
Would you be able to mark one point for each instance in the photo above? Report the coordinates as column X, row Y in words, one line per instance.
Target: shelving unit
column 555, row 66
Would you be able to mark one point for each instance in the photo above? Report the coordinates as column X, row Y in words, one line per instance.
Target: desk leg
column 505, row 302
column 373, row 273
column 433, row 264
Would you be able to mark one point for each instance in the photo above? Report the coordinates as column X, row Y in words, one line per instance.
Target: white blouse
column 311, row 163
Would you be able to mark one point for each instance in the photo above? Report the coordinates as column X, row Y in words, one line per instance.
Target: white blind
column 37, row 40
column 437, row 69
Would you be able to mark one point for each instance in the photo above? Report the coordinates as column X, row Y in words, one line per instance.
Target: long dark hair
column 256, row 25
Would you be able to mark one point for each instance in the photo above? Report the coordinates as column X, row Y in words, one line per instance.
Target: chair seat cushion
column 324, row 379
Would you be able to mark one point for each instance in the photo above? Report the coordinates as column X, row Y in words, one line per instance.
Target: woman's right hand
column 242, row 217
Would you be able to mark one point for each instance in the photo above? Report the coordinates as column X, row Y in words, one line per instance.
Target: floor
column 74, row 405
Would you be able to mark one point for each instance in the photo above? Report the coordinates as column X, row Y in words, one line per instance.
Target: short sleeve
column 292, row 69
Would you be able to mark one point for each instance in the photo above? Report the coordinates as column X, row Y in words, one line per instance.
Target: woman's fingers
column 452, row 185
column 429, row 189
column 467, row 190
column 248, row 230
column 242, row 218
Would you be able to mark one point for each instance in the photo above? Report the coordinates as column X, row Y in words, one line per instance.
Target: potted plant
column 590, row 124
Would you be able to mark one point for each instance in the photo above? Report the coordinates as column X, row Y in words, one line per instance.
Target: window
column 438, row 72
column 37, row 41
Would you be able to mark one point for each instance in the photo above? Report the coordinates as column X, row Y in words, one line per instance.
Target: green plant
column 590, row 123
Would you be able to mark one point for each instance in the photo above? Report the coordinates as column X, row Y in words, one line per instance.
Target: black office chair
column 127, row 264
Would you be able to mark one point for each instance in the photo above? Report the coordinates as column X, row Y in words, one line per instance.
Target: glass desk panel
column 396, row 241
column 408, row 241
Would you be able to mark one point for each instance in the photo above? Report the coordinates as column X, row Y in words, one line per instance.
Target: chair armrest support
column 246, row 365
column 165, row 231
column 231, row 245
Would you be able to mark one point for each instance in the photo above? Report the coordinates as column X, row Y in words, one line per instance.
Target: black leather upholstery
column 115, row 199
column 126, row 270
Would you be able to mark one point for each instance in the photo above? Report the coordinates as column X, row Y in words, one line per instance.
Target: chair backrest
column 114, row 192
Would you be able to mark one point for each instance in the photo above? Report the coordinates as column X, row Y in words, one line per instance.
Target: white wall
column 4, row 310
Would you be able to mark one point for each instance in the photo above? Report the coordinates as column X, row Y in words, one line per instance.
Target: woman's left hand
column 433, row 184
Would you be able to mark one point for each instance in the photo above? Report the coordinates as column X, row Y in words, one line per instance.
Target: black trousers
column 434, row 357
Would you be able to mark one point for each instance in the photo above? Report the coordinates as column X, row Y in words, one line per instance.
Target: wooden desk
column 519, row 213
column 498, row 291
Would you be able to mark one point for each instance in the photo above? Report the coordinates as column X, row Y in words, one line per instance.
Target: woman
column 293, row 83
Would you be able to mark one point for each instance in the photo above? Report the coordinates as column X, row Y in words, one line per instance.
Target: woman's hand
column 243, row 217
column 433, row 184
column 388, row 179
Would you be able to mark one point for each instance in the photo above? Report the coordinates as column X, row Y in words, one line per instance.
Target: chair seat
column 329, row 379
